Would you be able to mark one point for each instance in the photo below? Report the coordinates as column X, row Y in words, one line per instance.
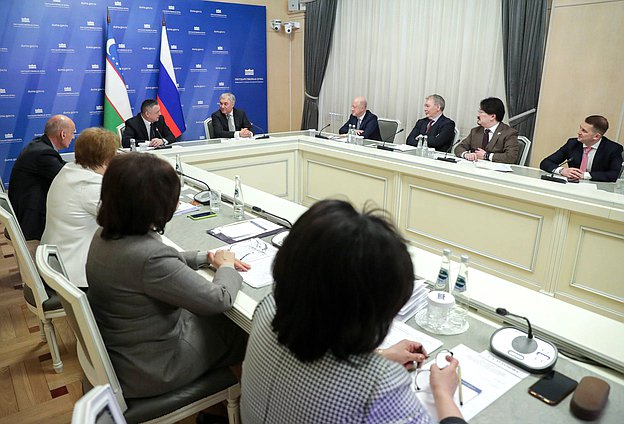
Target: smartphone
column 202, row 215
column 553, row 388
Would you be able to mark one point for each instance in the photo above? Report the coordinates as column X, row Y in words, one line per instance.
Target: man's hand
column 245, row 133
column 572, row 173
column 155, row 142
column 480, row 154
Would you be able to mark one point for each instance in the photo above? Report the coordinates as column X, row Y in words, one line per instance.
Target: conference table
column 514, row 406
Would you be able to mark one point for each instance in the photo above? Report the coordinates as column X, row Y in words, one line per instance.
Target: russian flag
column 168, row 96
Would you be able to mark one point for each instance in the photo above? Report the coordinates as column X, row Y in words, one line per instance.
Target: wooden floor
column 30, row 390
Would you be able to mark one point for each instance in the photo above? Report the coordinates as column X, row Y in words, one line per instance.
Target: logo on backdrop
column 218, row 13
column 57, row 4
column 220, row 50
column 90, row 26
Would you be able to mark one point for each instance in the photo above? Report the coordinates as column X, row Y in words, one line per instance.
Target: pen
column 461, row 393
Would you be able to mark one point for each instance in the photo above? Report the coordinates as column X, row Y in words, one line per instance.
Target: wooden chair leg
column 48, row 327
column 233, row 404
column 42, row 332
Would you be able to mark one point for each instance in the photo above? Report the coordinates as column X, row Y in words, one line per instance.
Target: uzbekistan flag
column 168, row 96
column 116, row 103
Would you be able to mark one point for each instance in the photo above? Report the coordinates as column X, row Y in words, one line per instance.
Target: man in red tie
column 590, row 156
column 491, row 140
column 439, row 129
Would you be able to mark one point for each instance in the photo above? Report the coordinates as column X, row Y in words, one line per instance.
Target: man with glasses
column 491, row 140
column 33, row 172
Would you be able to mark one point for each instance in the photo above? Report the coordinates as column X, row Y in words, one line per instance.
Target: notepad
column 260, row 255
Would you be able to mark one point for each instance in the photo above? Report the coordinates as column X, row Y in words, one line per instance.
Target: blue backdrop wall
column 52, row 56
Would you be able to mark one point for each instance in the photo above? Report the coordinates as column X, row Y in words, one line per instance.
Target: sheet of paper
column 485, row 378
column 494, row 166
column 260, row 256
column 400, row 331
column 402, row 147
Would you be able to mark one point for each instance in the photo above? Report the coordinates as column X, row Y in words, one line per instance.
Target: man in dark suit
column 439, row 129
column 33, row 172
column 149, row 125
column 229, row 122
column 491, row 140
column 590, row 156
column 364, row 121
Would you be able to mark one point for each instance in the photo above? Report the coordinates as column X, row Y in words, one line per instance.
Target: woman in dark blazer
column 161, row 321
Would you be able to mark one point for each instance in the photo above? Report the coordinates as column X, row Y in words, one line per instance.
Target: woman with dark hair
column 73, row 200
column 161, row 322
column 340, row 278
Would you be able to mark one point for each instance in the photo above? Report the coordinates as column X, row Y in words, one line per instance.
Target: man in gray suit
column 491, row 139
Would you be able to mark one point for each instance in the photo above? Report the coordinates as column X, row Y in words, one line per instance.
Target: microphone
column 164, row 145
column 262, row 211
column 383, row 144
column 504, row 312
column 260, row 137
column 522, row 349
column 447, row 159
column 203, row 196
column 322, row 136
column 552, row 177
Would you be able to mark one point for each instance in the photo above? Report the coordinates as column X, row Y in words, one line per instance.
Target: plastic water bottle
column 461, row 293
column 442, row 283
column 351, row 134
column 133, row 145
column 178, row 168
column 425, row 147
column 239, row 203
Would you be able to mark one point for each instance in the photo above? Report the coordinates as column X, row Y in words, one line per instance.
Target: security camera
column 276, row 24
column 288, row 27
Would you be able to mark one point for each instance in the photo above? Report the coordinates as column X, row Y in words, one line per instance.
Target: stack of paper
column 185, row 207
column 401, row 331
column 417, row 301
column 246, row 229
column 260, row 255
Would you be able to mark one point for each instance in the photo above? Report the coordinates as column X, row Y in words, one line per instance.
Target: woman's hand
column 221, row 257
column 406, row 353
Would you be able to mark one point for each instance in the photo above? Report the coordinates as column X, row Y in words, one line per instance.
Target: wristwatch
column 487, row 156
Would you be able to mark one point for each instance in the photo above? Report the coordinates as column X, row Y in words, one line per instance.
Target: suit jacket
column 440, row 135
column 369, row 125
column 220, row 123
column 33, row 172
column 157, row 316
column 606, row 165
column 72, row 206
column 503, row 145
column 135, row 128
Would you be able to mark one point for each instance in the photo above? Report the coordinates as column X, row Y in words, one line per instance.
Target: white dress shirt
column 590, row 160
column 72, row 206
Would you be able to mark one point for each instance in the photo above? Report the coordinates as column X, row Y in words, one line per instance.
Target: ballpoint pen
column 461, row 393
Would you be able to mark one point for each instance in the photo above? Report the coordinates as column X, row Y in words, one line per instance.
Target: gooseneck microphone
column 263, row 133
column 321, row 130
column 504, row 312
column 203, row 196
column 262, row 211
column 164, row 144
column 383, row 144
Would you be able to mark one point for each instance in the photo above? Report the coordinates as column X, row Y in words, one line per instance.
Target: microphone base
column 321, row 136
column 386, row 148
column 262, row 137
column 554, row 179
column 445, row 159
column 533, row 355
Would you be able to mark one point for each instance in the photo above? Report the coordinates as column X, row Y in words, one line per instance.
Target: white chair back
column 120, row 130
column 524, row 149
column 208, row 128
column 92, row 353
column 98, row 406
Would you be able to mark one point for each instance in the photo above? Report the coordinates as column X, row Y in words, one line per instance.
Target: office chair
column 208, row 128
column 41, row 300
column 523, row 150
column 209, row 389
column 455, row 142
column 388, row 128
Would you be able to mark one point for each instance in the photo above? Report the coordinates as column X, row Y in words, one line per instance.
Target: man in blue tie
column 439, row 129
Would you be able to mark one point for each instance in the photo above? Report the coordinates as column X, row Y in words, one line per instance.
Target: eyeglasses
column 246, row 248
column 420, row 378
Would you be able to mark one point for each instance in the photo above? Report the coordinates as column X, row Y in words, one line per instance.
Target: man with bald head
column 33, row 172
column 364, row 121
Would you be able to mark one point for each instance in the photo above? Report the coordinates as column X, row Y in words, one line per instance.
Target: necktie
column 429, row 126
column 152, row 133
column 231, row 125
column 583, row 166
column 486, row 139
column 359, row 122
